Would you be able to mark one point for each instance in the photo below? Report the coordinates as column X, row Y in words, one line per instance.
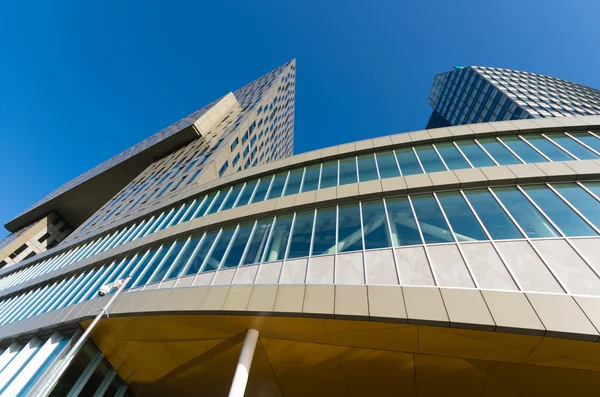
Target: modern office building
column 479, row 94
column 461, row 260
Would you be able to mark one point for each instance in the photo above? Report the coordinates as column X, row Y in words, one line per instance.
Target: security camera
column 105, row 289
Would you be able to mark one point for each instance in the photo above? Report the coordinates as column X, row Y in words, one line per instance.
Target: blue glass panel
column 501, row 154
column 168, row 261
column 349, row 231
column 549, row 149
column 452, row 157
column 523, row 150
column 386, row 162
column 150, row 269
column 311, row 178
column 201, row 252
column 580, row 199
column 429, row 159
column 430, row 218
column 233, row 196
column 258, row 241
column 214, row 259
column 461, row 218
column 527, row 216
column 185, row 256
column 496, row 221
column 324, row 236
column 409, row 165
column 294, row 182
column 218, row 201
column 348, row 171
column 375, row 226
column 403, row 225
column 367, row 170
column 141, row 267
column 277, row 185
column 573, row 147
column 301, row 234
column 247, row 193
column 556, row 209
column 262, row 189
column 588, row 139
column 239, row 244
column 475, row 154
column 279, row 238
column 329, row 174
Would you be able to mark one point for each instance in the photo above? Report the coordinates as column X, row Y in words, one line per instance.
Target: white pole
column 53, row 377
column 240, row 379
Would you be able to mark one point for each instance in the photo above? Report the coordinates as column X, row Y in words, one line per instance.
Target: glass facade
column 537, row 211
column 478, row 94
column 385, row 164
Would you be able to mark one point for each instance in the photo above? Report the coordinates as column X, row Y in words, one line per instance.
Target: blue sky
column 81, row 81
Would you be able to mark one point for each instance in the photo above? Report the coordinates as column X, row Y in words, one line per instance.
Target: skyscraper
column 477, row 94
column 461, row 260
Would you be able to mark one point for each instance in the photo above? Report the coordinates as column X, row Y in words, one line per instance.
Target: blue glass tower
column 479, row 94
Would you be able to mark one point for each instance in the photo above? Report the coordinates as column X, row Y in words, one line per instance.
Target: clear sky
column 83, row 80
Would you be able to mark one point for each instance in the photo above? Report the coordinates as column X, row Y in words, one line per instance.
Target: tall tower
column 477, row 94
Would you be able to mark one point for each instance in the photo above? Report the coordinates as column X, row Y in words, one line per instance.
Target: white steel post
column 240, row 379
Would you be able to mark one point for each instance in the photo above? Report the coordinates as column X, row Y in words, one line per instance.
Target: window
column 452, row 157
column 580, row 199
column 500, row 153
column 234, row 144
column 301, row 234
column 311, row 178
column 386, row 162
column 523, row 150
column 324, row 232
column 367, row 170
column 461, row 218
column 223, row 168
column 402, row 222
column 572, row 146
column 375, row 226
column 475, row 154
column 349, row 230
column 495, row 220
column 18, row 251
column 549, row 149
column 258, row 242
column 348, row 171
column 430, row 218
column 329, row 174
column 279, row 238
column 277, row 185
column 409, row 165
column 44, row 237
column 527, row 216
column 429, row 159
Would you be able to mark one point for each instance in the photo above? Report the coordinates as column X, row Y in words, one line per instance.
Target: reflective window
column 560, row 213
column 409, row 165
column 235, row 192
column 349, row 232
column 432, row 222
column 239, row 244
column 501, row 154
column 324, row 236
column 402, row 222
column 258, row 241
column 262, row 189
column 142, row 266
column 247, row 193
column 367, row 170
column 572, row 146
column 496, row 221
column 301, row 234
column 429, row 159
column 201, row 251
column 185, row 256
column 461, row 218
column 207, row 205
column 594, row 187
column 279, row 238
column 167, row 261
column 329, row 173
column 386, row 161
column 452, row 157
column 156, row 260
column 475, row 154
column 277, row 185
column 218, row 201
column 527, row 216
column 580, row 199
column 212, row 261
column 375, row 226
column 294, row 182
column 311, row 178
column 348, row 171
column 523, row 150
column 549, row 149
column 588, row 139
